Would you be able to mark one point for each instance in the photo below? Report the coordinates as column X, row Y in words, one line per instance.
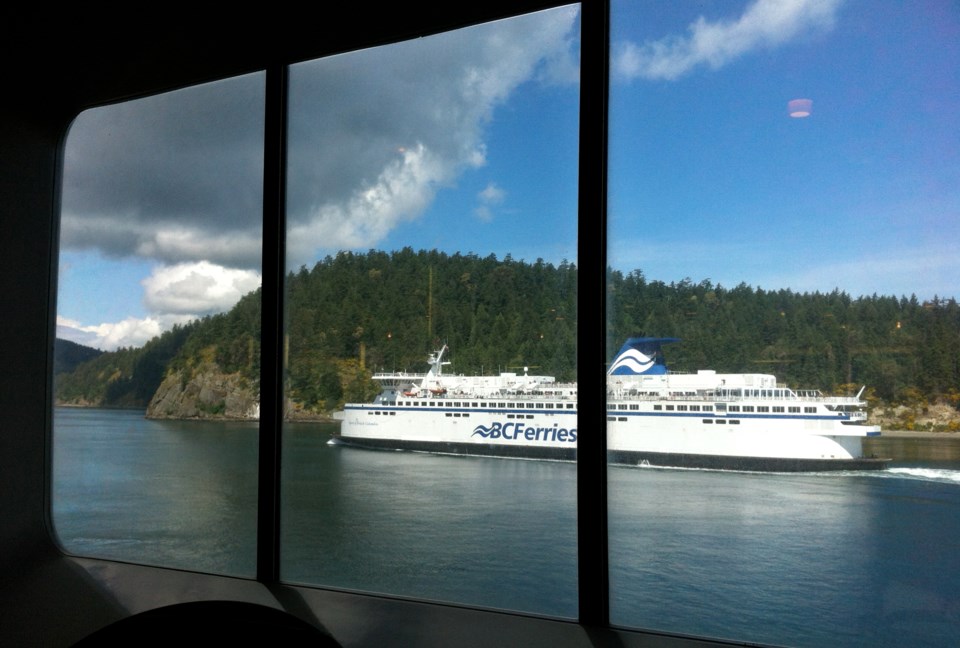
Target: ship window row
column 569, row 406
column 758, row 393
column 778, row 409
column 685, row 408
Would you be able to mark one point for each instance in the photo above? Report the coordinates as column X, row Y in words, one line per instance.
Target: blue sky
column 711, row 179
column 468, row 142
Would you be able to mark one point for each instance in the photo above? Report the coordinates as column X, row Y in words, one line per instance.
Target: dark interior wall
column 27, row 176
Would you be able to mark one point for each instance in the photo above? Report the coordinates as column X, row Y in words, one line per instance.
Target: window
column 775, row 149
column 635, row 602
column 432, row 184
column 160, row 228
column 360, row 168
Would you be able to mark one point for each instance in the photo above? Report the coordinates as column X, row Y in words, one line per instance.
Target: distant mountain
column 68, row 355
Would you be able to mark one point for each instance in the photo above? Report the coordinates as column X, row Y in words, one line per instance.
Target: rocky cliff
column 206, row 393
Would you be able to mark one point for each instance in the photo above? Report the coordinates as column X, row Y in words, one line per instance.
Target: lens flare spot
column 800, row 107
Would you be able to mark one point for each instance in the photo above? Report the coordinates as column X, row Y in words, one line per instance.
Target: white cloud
column 764, row 24
column 401, row 191
column 109, row 336
column 195, row 289
column 483, row 214
column 173, row 295
column 490, row 196
column 374, row 134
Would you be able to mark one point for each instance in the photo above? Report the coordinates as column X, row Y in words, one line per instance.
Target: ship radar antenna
column 436, row 361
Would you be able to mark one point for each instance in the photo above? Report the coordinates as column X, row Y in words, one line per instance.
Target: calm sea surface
column 832, row 559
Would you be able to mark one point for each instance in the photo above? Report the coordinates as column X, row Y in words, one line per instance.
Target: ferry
column 655, row 417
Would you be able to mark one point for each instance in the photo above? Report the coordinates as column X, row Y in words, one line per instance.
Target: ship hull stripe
column 624, row 457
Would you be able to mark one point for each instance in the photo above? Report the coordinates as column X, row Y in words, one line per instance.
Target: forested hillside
column 353, row 314
column 896, row 346
column 122, row 378
column 69, row 355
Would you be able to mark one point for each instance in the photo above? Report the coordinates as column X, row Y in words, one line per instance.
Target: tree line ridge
column 353, row 314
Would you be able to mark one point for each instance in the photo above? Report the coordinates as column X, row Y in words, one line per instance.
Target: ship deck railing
column 398, row 375
column 489, row 397
column 803, row 396
column 427, row 396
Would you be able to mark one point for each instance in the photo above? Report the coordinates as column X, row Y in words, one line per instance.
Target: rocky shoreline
column 919, row 419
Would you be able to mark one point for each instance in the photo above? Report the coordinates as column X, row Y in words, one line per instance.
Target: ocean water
column 838, row 559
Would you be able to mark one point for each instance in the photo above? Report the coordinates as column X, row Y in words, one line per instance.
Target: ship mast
column 430, row 305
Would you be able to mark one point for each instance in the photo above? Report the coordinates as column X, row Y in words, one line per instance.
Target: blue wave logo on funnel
column 639, row 356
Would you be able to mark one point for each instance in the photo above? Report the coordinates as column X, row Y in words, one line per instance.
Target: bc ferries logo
column 638, row 356
column 513, row 431
column 631, row 362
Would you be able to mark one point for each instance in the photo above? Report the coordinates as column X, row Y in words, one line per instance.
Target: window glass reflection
column 432, row 212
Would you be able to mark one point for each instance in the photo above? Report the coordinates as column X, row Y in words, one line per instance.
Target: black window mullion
column 593, row 574
column 271, row 324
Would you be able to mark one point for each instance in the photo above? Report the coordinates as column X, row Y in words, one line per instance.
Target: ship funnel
column 640, row 356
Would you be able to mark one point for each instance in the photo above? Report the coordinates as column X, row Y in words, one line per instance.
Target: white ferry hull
column 443, row 428
column 703, row 420
column 779, row 445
